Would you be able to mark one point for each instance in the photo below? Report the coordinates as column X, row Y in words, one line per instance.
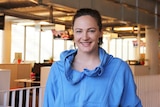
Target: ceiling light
column 122, row 28
column 67, row 18
column 125, row 28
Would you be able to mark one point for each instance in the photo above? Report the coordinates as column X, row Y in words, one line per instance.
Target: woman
column 88, row 76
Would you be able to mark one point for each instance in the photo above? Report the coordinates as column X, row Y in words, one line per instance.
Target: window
column 17, row 41
column 123, row 48
column 58, row 48
column 39, row 45
column 35, row 45
column 46, row 50
column 32, row 44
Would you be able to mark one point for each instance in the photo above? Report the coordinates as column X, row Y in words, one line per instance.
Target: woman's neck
column 88, row 61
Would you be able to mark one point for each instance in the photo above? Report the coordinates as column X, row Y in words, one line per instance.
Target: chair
column 37, row 69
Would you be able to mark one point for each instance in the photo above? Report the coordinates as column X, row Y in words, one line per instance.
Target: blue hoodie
column 111, row 84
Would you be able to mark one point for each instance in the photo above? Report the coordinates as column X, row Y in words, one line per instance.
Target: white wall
column 4, row 82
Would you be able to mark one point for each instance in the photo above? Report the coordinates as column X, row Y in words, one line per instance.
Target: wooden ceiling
column 19, row 11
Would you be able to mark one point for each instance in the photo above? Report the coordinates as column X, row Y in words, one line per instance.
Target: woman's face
column 86, row 33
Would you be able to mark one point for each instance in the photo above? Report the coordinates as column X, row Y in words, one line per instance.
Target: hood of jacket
column 74, row 76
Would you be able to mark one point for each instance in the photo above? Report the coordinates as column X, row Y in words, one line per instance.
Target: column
column 152, row 38
column 6, row 45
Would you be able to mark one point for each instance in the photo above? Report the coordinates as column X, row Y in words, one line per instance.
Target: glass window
column 132, row 48
column 17, row 44
column 46, row 45
column 125, row 49
column 105, row 44
column 119, row 48
column 32, row 44
column 70, row 44
column 39, row 45
column 112, row 49
column 58, row 48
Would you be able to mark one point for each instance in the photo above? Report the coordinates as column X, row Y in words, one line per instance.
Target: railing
column 148, row 89
column 23, row 97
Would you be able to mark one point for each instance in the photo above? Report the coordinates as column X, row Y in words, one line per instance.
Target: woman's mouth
column 86, row 44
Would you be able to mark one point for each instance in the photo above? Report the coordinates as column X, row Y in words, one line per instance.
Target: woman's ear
column 101, row 34
column 100, row 40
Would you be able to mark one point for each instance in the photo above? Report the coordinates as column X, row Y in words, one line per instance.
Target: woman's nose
column 85, row 36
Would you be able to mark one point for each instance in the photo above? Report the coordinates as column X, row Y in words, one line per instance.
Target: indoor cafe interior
column 33, row 33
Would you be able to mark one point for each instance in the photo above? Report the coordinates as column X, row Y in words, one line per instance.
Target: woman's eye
column 92, row 30
column 78, row 31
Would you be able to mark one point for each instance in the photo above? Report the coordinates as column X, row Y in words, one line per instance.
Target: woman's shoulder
column 64, row 54
column 116, row 62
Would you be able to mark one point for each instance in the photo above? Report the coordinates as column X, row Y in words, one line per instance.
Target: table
column 25, row 81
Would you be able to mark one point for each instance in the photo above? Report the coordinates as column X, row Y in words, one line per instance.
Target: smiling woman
column 86, row 33
column 72, row 79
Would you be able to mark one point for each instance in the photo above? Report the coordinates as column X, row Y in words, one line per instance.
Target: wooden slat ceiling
column 32, row 10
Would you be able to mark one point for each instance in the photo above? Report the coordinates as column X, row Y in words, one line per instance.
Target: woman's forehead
column 85, row 21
